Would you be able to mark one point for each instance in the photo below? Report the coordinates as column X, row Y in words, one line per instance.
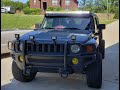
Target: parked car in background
column 2, row 10
column 8, row 9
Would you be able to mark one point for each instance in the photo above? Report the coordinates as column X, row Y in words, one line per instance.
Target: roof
column 68, row 13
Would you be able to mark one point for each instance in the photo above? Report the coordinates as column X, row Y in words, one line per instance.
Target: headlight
column 21, row 47
column 75, row 48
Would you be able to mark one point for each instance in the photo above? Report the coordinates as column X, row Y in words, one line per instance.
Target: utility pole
column 107, row 10
column 108, row 7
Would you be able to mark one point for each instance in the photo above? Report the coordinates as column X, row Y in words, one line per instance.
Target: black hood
column 62, row 35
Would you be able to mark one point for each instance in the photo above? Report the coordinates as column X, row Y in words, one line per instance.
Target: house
column 44, row 4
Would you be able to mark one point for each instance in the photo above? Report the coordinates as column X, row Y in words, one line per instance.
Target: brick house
column 44, row 4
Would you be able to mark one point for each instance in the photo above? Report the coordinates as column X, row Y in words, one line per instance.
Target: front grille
column 45, row 48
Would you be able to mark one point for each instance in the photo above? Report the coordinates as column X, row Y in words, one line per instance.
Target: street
column 50, row 81
column 9, row 36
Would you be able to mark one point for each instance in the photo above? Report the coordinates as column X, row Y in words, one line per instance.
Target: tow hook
column 64, row 73
column 27, row 71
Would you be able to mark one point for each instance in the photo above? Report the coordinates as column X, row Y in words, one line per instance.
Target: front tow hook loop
column 64, row 75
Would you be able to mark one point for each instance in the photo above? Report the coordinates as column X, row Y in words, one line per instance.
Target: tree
column 28, row 3
column 90, row 5
column 82, row 4
column 17, row 5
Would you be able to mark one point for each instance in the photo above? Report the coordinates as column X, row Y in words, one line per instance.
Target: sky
column 24, row 1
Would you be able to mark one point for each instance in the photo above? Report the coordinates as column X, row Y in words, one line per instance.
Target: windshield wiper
column 72, row 28
column 49, row 28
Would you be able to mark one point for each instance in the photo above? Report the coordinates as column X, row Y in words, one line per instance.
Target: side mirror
column 101, row 26
column 37, row 26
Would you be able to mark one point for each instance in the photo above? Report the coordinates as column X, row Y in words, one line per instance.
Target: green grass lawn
column 17, row 21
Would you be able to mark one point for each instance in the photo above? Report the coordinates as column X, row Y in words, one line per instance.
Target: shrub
column 32, row 11
column 116, row 16
column 27, row 10
column 58, row 9
column 51, row 9
column 54, row 8
column 35, row 11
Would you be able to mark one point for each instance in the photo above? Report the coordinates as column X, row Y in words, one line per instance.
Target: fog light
column 21, row 58
column 75, row 61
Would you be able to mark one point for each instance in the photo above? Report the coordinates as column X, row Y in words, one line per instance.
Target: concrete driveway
column 49, row 81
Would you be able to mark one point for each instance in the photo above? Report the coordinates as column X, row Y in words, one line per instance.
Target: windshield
column 66, row 23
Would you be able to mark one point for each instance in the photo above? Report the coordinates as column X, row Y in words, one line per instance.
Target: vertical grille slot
column 58, row 48
column 55, row 48
column 28, row 47
column 61, row 48
column 37, row 47
column 52, row 48
column 49, row 46
column 43, row 47
column 40, row 47
column 46, row 47
column 32, row 47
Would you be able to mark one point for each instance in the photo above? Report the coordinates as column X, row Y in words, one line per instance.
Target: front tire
column 102, row 48
column 18, row 74
column 94, row 73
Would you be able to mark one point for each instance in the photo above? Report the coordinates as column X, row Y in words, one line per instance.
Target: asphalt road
column 9, row 36
column 49, row 81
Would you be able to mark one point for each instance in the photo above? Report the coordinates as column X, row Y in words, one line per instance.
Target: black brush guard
column 64, row 71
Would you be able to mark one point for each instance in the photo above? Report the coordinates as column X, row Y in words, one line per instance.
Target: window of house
column 67, row 2
column 34, row 2
column 54, row 2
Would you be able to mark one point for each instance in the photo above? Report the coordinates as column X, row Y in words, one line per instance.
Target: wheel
column 18, row 74
column 102, row 48
column 94, row 73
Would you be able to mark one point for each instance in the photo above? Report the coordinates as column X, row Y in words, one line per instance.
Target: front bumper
column 53, row 63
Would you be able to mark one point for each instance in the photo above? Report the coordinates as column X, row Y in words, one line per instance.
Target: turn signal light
column 89, row 48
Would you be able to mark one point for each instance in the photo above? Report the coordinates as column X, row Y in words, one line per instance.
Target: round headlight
column 21, row 46
column 75, row 48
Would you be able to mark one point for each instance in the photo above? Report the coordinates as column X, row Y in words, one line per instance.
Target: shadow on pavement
column 49, row 81
column 6, row 55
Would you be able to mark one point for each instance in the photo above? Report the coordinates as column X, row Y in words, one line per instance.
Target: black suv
column 65, row 43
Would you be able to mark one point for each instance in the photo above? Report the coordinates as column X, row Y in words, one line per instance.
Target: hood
column 62, row 35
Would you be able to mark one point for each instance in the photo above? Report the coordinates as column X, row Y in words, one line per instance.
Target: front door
column 44, row 6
